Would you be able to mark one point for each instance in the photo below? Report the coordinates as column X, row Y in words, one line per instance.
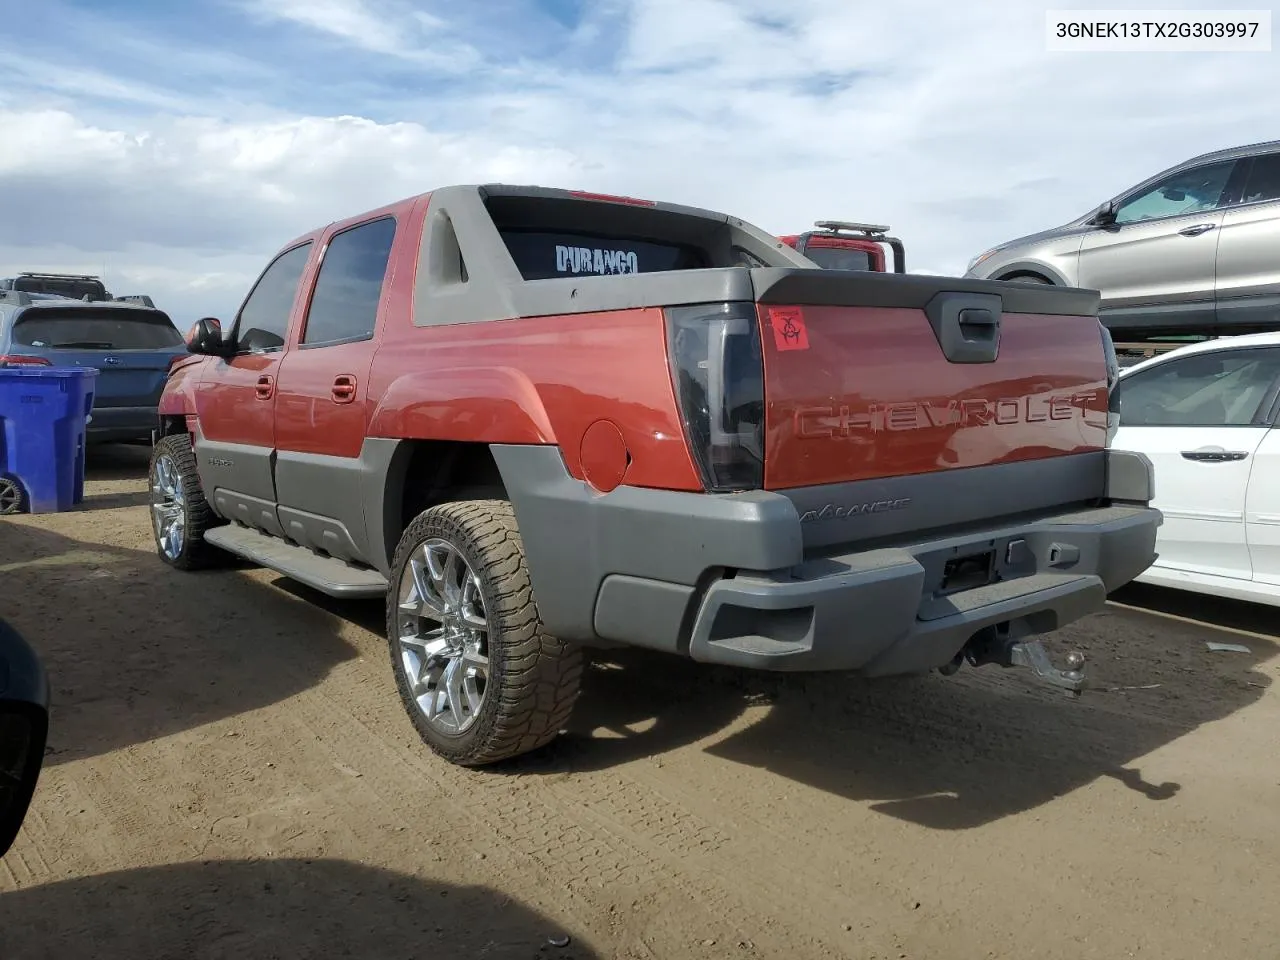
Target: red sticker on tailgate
column 789, row 332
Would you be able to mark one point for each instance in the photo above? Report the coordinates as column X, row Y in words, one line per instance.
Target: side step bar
column 326, row 574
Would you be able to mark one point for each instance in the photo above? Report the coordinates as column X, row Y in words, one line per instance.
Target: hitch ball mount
column 995, row 646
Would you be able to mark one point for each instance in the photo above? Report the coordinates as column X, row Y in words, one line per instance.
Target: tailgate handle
column 967, row 325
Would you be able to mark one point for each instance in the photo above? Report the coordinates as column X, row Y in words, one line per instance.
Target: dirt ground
column 231, row 775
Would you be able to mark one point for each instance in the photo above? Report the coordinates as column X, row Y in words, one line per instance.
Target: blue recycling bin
column 43, row 413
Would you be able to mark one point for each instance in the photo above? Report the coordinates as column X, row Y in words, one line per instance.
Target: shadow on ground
column 136, row 650
column 117, row 461
column 945, row 753
column 270, row 909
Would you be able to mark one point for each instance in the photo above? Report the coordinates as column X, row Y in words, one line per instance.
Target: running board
column 326, row 574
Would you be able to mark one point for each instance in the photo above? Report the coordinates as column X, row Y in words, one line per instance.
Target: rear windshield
column 86, row 328
column 551, row 237
column 840, row 258
column 542, row 254
column 68, row 287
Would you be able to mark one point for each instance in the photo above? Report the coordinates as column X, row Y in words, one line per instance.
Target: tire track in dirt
column 595, row 845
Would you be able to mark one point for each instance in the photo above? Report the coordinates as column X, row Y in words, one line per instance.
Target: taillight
column 1113, row 380
column 18, row 360
column 718, row 372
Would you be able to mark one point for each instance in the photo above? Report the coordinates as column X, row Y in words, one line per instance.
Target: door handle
column 1214, row 455
column 344, row 388
column 1197, row 229
column 266, row 386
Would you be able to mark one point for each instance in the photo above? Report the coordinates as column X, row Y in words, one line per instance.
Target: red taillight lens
column 717, row 369
column 18, row 360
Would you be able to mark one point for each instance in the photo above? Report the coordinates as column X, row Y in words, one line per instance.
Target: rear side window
column 840, row 258
column 1220, row 388
column 86, row 328
column 264, row 318
column 344, row 306
column 543, row 254
column 1264, row 179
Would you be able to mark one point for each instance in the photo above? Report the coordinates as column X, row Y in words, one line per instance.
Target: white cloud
column 951, row 123
column 384, row 27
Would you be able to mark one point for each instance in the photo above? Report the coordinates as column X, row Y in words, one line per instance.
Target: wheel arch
column 1028, row 268
column 421, row 473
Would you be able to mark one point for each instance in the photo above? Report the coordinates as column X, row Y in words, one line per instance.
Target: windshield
column 839, row 258
column 102, row 329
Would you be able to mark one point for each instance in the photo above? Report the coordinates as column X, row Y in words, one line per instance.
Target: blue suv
column 130, row 342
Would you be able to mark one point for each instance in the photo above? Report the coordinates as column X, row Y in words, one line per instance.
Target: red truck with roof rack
column 533, row 421
column 842, row 245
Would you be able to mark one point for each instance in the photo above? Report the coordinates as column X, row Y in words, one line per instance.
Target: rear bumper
column 739, row 579
column 880, row 612
column 120, row 423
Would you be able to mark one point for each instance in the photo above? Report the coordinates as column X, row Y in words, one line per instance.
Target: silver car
column 1192, row 250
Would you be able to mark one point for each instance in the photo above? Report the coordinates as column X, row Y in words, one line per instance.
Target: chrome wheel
column 443, row 636
column 168, row 507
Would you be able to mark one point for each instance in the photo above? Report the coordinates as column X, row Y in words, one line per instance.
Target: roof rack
column 140, row 298
column 872, row 230
column 34, row 275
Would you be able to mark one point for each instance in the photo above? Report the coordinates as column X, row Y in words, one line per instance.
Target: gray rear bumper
column 110, row 423
column 731, row 579
column 876, row 611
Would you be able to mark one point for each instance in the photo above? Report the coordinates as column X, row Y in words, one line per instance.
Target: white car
column 1206, row 416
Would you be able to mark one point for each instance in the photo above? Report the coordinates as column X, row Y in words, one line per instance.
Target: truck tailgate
column 857, row 392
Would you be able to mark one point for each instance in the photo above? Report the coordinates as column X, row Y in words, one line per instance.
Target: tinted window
column 540, row 255
column 1220, row 388
column 76, row 289
column 264, row 318
column 1190, row 191
column 1264, row 179
column 840, row 258
column 344, row 305
column 85, row 328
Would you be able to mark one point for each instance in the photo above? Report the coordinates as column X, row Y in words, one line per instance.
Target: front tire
column 478, row 674
column 180, row 515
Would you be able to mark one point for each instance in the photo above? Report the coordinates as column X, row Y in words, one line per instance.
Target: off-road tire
column 533, row 678
column 195, row 553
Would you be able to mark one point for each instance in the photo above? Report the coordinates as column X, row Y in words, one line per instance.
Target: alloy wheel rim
column 443, row 636
column 168, row 507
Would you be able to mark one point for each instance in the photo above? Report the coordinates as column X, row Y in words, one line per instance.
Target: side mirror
column 1105, row 215
column 24, row 729
column 205, row 338
column 1174, row 194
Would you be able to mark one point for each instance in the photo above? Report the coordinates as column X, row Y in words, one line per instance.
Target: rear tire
column 480, row 677
column 1027, row 278
column 180, row 515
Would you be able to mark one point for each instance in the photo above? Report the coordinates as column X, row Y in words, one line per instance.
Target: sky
column 177, row 146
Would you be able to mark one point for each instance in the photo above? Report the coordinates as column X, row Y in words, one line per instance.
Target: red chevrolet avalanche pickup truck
column 537, row 421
